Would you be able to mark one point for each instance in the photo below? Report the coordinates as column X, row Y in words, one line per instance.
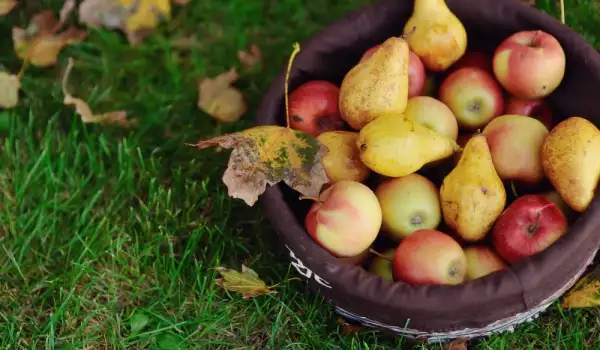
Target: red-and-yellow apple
column 515, row 142
column 529, row 64
column 342, row 162
column 433, row 114
column 313, row 107
column 382, row 265
column 474, row 58
column 528, row 226
column 474, row 97
column 346, row 218
column 408, row 204
column 416, row 71
column 555, row 197
column 538, row 109
column 429, row 257
column 481, row 261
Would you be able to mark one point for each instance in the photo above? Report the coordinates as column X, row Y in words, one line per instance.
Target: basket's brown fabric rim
column 436, row 308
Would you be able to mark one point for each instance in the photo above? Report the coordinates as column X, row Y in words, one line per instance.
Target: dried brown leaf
column 456, row 344
column 585, row 293
column 348, row 328
column 83, row 109
column 9, row 90
column 219, row 99
column 246, row 282
column 39, row 44
column 136, row 18
column 265, row 155
column 250, row 58
column 66, row 11
column 7, row 5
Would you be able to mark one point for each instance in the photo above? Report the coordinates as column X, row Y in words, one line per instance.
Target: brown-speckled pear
column 473, row 195
column 571, row 161
column 393, row 145
column 438, row 36
column 376, row 86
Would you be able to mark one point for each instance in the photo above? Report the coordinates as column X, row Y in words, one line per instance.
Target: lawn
column 108, row 236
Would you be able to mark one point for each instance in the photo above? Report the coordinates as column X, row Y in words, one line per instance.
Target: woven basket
column 495, row 303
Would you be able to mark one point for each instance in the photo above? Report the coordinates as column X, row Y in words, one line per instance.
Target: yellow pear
column 376, row 86
column 342, row 162
column 472, row 195
column 435, row 34
column 571, row 161
column 394, row 145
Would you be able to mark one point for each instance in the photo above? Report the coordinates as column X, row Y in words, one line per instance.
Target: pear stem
column 409, row 34
column 287, row 78
column 315, row 199
column 372, row 251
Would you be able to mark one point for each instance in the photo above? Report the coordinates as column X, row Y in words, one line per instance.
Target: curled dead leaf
column 250, row 58
column 9, row 90
column 6, row 6
column 136, row 18
column 585, row 293
column 265, row 155
column 219, row 99
column 246, row 282
column 348, row 328
column 456, row 344
column 118, row 118
column 39, row 44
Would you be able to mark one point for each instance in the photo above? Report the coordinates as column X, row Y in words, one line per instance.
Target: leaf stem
column 312, row 199
column 287, row 78
column 372, row 251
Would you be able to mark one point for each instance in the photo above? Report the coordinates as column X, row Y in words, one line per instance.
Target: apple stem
column 409, row 34
column 537, row 32
column 380, row 255
column 287, row 78
column 513, row 188
column 312, row 199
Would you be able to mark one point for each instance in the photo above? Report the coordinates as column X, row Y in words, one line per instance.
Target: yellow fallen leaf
column 269, row 154
column 585, row 293
column 250, row 58
column 6, row 6
column 219, row 99
column 246, row 282
column 83, row 109
column 9, row 90
column 39, row 44
column 136, row 18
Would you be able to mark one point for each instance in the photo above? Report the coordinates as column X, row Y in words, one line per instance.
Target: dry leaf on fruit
column 585, row 293
column 6, row 6
column 9, row 90
column 246, row 282
column 83, row 109
column 219, row 99
column 265, row 155
column 40, row 43
column 136, row 18
column 250, row 58
column 456, row 344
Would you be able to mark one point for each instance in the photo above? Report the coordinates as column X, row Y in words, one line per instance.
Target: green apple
column 382, row 265
column 408, row 204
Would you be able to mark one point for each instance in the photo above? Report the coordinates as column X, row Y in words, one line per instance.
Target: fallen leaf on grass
column 251, row 58
column 246, row 282
column 9, row 90
column 39, row 43
column 83, row 109
column 456, row 344
column 269, row 154
column 136, row 18
column 585, row 293
column 219, row 99
column 6, row 6
column 348, row 328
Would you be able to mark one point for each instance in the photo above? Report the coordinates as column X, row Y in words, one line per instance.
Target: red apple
column 538, row 109
column 474, row 97
column 416, row 71
column 429, row 257
column 528, row 226
column 529, row 64
column 313, row 107
column 482, row 261
column 346, row 218
column 474, row 58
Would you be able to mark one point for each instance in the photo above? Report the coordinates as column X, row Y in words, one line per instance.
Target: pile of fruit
column 446, row 164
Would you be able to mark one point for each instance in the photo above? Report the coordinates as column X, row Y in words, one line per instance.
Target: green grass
column 108, row 236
